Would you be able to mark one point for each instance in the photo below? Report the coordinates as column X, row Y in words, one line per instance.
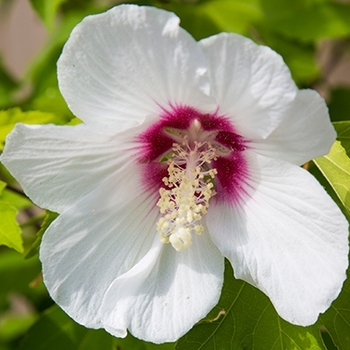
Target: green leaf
column 2, row 186
column 34, row 249
column 233, row 15
column 343, row 131
column 47, row 10
column 56, row 331
column 9, row 118
column 75, row 121
column 337, row 318
column 10, row 232
column 245, row 319
column 307, row 21
column 335, row 167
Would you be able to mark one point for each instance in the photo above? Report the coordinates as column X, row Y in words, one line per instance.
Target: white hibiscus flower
column 189, row 153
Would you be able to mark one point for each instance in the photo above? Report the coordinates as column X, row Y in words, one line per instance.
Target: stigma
column 187, row 190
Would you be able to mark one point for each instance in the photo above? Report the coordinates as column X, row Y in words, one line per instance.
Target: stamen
column 190, row 187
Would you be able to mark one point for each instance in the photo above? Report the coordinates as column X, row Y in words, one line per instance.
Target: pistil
column 189, row 187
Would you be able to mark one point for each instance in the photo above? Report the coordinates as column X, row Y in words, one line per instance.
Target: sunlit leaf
column 233, row 15
column 19, row 201
column 245, row 319
column 74, row 121
column 335, row 167
column 56, row 331
column 10, row 232
column 9, row 118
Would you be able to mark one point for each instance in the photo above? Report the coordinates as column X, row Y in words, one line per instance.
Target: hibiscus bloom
column 189, row 152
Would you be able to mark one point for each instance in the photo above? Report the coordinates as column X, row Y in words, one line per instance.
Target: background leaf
column 56, row 331
column 339, row 104
column 307, row 21
column 47, row 9
column 16, row 275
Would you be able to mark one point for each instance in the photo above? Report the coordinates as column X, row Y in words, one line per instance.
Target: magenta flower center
column 192, row 160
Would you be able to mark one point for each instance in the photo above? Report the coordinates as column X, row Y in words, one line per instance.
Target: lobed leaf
column 335, row 167
column 245, row 319
column 337, row 318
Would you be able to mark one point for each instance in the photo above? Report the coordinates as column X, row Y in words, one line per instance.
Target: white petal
column 58, row 165
column 121, row 65
column 305, row 133
column 251, row 83
column 166, row 293
column 95, row 241
column 287, row 237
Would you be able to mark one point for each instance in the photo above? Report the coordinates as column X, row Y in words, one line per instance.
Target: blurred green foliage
column 301, row 31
